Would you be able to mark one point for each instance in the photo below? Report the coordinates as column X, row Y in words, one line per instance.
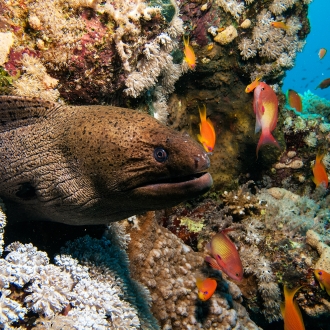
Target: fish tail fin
column 282, row 306
column 199, row 283
column 186, row 40
column 266, row 137
column 212, row 262
column 200, row 139
column 319, row 156
column 289, row 293
column 202, row 113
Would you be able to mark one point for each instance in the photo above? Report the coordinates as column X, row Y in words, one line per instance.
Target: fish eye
column 320, row 273
column 237, row 274
column 262, row 88
column 160, row 155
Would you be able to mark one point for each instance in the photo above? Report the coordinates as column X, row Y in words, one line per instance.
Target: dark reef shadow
column 203, row 308
column 48, row 236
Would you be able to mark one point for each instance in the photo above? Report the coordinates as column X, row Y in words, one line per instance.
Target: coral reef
column 92, row 50
column 168, row 268
column 305, row 134
column 270, row 228
column 91, row 286
column 96, row 292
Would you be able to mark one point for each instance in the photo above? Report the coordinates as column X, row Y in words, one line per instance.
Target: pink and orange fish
column 319, row 171
column 323, row 84
column 224, row 255
column 206, row 288
column 290, row 311
column 324, row 279
column 280, row 25
column 249, row 88
column 207, row 132
column 265, row 105
column 294, row 100
column 322, row 53
column 189, row 54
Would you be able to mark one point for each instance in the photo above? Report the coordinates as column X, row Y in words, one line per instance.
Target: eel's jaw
column 172, row 193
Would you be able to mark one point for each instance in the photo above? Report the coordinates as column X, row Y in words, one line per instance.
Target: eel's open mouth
column 180, row 188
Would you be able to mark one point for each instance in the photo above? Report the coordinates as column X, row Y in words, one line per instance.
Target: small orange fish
column 225, row 256
column 206, row 288
column 322, row 53
column 210, row 46
column 253, row 85
column 290, row 311
column 294, row 100
column 280, row 25
column 189, row 54
column 207, row 132
column 319, row 171
column 324, row 84
column 324, row 279
column 265, row 105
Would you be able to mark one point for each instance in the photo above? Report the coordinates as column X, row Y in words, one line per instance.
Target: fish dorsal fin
column 16, row 111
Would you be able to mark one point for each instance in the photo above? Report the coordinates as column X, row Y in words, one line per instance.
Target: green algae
column 193, row 226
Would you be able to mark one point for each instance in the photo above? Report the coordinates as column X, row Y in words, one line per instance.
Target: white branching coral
column 247, row 48
column 76, row 319
column 50, row 291
column 267, row 286
column 235, row 8
column 24, row 262
column 104, row 297
column 252, row 227
column 10, row 310
column 35, row 82
column 279, row 6
column 3, row 222
column 277, row 46
column 311, row 139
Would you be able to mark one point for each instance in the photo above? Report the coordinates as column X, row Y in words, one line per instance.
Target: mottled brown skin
column 92, row 164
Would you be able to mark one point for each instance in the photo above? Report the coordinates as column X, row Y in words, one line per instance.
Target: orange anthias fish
column 324, row 279
column 225, row 256
column 322, row 53
column 290, row 311
column 206, row 288
column 280, row 25
column 189, row 54
column 207, row 132
column 265, row 105
column 320, row 174
column 253, row 85
column 324, row 84
column 294, row 100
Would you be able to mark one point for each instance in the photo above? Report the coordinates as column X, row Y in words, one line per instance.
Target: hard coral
column 241, row 201
column 166, row 266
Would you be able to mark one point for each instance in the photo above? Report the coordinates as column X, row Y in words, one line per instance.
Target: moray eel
column 83, row 165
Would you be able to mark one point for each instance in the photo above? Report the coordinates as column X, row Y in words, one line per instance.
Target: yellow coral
column 226, row 36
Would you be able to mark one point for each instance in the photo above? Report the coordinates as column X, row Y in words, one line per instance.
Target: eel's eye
column 160, row 155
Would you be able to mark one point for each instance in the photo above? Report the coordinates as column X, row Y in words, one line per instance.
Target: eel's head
column 138, row 164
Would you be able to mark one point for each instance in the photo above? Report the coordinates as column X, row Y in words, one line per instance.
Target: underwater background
column 181, row 69
column 309, row 70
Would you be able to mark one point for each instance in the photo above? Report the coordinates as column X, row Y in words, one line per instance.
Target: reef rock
column 168, row 268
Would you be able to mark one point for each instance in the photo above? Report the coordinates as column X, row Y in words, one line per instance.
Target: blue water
column 309, row 70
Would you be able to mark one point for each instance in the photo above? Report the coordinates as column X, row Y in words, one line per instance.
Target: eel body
column 82, row 165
